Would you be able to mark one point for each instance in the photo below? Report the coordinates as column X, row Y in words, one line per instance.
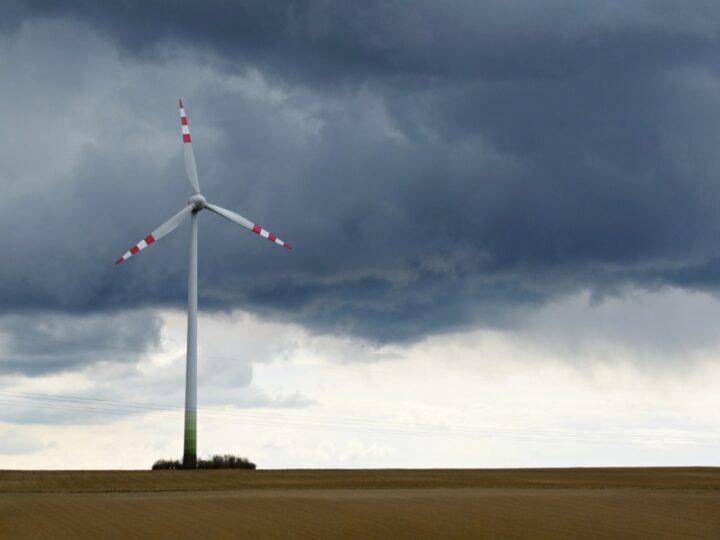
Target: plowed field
column 652, row 503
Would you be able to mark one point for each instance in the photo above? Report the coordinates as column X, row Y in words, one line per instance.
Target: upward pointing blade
column 237, row 218
column 166, row 228
column 190, row 165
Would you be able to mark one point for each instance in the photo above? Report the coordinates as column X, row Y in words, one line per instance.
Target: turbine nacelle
column 198, row 202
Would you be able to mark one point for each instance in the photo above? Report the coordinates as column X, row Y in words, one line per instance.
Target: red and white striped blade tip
column 145, row 242
column 257, row 229
column 184, row 125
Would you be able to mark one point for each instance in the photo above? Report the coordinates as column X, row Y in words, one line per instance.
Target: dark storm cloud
column 42, row 343
column 333, row 40
column 435, row 164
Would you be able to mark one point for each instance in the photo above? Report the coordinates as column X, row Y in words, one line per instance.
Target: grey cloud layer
column 435, row 164
column 41, row 343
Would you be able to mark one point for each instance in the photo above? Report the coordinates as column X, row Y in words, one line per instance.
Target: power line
column 209, row 411
column 279, row 420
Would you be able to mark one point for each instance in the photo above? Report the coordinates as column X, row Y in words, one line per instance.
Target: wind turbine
column 195, row 204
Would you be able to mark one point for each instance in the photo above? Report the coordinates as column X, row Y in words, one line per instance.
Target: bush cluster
column 163, row 464
column 227, row 461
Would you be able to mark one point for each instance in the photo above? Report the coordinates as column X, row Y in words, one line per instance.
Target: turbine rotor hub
column 198, row 202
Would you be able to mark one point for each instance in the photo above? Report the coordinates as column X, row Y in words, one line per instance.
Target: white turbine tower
column 196, row 203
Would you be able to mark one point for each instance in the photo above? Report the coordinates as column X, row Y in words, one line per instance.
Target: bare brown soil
column 628, row 503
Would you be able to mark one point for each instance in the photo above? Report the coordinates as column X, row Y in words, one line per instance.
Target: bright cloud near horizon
column 504, row 220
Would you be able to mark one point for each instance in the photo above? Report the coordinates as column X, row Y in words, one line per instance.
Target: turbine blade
column 166, row 228
column 190, row 165
column 237, row 218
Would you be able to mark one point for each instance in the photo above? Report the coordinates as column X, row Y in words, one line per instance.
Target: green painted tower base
column 190, row 451
column 189, row 461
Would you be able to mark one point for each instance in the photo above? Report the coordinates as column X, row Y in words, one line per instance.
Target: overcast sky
column 504, row 218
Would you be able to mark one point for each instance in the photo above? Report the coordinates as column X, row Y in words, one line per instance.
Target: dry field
column 653, row 503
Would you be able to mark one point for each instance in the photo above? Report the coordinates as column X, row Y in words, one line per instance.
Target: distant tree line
column 227, row 461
